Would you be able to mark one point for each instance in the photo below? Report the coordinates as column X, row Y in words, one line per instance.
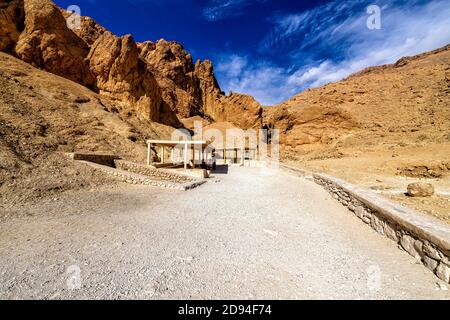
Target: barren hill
column 383, row 128
column 41, row 113
column 401, row 102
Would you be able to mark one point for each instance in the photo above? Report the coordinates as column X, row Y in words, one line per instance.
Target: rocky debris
column 51, row 175
column 159, row 174
column 162, row 180
column 425, row 170
column 443, row 272
column 420, row 189
column 43, row 115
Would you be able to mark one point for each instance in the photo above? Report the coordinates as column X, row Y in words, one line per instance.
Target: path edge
column 425, row 238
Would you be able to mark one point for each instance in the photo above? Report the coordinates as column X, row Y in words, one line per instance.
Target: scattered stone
column 81, row 100
column 408, row 243
column 432, row 252
column 443, row 272
column 420, row 189
column 359, row 211
column 390, row 232
column 377, row 224
column 430, row 263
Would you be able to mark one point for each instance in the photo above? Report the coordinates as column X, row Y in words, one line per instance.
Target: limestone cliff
column 47, row 43
column 122, row 76
column 241, row 110
column 11, row 23
column 155, row 80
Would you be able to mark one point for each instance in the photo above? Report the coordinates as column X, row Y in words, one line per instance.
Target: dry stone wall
column 425, row 238
column 158, row 174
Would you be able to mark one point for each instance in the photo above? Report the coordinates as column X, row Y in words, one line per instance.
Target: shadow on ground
column 223, row 169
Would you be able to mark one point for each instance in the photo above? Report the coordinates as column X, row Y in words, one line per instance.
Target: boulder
column 420, row 189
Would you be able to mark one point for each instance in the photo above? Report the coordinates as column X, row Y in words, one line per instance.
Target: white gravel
column 257, row 234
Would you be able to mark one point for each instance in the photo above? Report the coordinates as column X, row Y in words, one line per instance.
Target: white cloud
column 260, row 79
column 223, row 9
column 408, row 28
column 232, row 66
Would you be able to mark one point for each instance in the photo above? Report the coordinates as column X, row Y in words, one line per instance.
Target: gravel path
column 256, row 234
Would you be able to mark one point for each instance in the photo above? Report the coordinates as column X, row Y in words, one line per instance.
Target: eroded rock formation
column 122, row 76
column 173, row 69
column 47, row 43
column 11, row 23
column 242, row 110
column 155, row 80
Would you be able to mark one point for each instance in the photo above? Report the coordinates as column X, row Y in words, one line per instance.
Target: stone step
column 135, row 178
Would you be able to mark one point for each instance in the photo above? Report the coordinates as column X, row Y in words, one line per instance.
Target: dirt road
column 255, row 234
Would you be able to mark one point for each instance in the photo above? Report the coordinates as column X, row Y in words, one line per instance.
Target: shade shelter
column 231, row 145
column 198, row 149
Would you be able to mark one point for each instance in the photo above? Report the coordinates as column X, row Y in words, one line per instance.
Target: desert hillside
column 407, row 102
column 382, row 128
column 43, row 116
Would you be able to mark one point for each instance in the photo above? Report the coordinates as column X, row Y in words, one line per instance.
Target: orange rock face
column 156, row 81
column 11, row 23
column 122, row 76
column 173, row 69
column 242, row 110
column 398, row 104
column 47, row 43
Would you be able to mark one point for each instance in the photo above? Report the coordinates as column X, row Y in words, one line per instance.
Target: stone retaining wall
column 135, row 178
column 158, row 174
column 425, row 238
column 99, row 158
column 297, row 171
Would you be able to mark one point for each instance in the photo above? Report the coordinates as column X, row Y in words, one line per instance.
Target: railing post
column 149, row 153
column 185, row 156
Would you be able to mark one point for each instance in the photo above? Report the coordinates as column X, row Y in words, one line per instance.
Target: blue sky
column 276, row 49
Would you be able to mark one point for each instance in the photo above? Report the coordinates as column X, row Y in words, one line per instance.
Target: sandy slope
column 43, row 115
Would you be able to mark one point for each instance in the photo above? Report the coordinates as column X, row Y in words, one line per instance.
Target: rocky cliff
column 11, row 23
column 154, row 80
column 47, row 43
